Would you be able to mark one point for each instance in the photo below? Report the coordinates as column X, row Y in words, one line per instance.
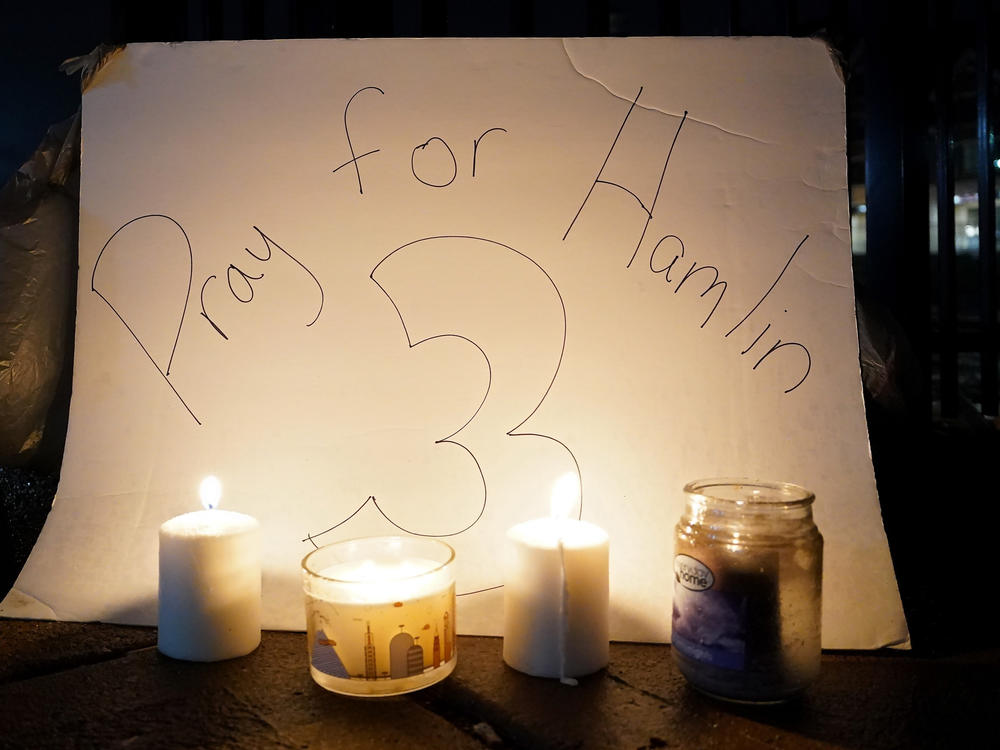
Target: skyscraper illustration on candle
column 325, row 657
column 406, row 656
column 375, row 637
column 383, row 642
column 371, row 673
column 447, row 638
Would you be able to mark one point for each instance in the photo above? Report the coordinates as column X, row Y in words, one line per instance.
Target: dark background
column 921, row 84
column 37, row 36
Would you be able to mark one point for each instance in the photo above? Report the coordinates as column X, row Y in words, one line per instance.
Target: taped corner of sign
column 836, row 58
column 92, row 63
column 901, row 645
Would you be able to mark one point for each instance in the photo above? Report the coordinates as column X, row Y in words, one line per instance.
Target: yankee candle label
column 708, row 625
column 692, row 573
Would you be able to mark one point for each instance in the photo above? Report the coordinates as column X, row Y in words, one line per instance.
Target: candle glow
column 565, row 494
column 209, row 582
column 556, row 591
column 380, row 614
column 210, row 492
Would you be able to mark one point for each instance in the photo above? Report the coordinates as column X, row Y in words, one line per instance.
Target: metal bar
column 759, row 17
column 946, row 270
column 559, row 18
column 598, row 18
column 406, row 18
column 434, row 18
column 233, row 20
column 698, row 18
column 896, row 177
column 985, row 133
column 634, row 18
column 195, row 20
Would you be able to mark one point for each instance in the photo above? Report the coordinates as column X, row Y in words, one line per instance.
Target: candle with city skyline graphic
column 380, row 614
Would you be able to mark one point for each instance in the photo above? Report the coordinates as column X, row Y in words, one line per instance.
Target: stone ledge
column 96, row 685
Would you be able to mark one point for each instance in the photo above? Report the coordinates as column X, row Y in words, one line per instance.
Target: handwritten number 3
column 483, row 245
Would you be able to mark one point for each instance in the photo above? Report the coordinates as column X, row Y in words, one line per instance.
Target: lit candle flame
column 565, row 494
column 210, row 492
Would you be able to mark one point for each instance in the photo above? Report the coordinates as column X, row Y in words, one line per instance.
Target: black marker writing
column 486, row 245
column 477, row 141
column 247, row 278
column 204, row 313
column 449, row 173
column 507, row 254
column 771, row 288
column 181, row 250
column 599, row 180
column 370, row 500
column 319, row 287
column 759, row 336
column 717, row 283
column 712, row 279
column 690, row 272
column 432, row 162
column 182, row 253
column 779, row 344
column 347, row 131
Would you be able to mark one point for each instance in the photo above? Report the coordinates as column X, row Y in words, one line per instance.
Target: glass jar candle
column 380, row 614
column 748, row 566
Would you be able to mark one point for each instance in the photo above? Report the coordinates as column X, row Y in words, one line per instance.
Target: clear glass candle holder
column 380, row 614
column 748, row 568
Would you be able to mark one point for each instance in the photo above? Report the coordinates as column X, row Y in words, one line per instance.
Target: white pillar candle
column 209, row 596
column 556, row 594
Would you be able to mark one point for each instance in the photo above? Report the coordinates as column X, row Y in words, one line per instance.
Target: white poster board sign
column 402, row 286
